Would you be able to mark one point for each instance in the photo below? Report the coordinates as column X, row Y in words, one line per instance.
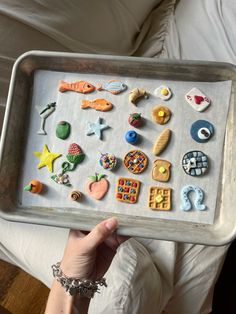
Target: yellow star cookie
column 46, row 158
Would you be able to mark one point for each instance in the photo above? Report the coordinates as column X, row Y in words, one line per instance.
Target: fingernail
column 111, row 224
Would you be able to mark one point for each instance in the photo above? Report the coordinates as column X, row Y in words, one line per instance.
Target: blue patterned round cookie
column 201, row 131
column 195, row 163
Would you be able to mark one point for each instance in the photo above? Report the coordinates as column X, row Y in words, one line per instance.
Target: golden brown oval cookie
column 161, row 114
column 161, row 170
column 161, row 142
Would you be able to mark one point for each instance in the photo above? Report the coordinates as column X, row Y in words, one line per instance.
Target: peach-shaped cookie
column 97, row 186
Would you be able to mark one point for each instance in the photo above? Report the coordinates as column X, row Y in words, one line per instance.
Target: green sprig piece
column 135, row 116
column 28, row 187
column 97, row 177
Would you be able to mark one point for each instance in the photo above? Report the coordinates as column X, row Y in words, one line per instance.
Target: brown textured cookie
column 159, row 198
column 161, row 114
column 161, row 170
column 161, row 142
column 135, row 161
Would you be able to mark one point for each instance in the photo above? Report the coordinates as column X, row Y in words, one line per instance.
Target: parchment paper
column 45, row 90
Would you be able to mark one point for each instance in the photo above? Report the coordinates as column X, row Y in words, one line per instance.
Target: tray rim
column 123, row 229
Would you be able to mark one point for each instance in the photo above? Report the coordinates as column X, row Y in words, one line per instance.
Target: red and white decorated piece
column 197, row 100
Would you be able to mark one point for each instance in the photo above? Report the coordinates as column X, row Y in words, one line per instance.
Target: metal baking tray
column 223, row 229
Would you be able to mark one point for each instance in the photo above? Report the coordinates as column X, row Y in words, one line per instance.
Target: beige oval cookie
column 161, row 114
column 161, row 142
column 161, row 170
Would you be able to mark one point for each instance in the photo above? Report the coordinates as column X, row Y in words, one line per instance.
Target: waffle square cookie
column 127, row 190
column 159, row 198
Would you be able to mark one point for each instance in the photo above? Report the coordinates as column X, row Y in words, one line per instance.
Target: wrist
column 68, row 270
column 59, row 301
column 84, row 288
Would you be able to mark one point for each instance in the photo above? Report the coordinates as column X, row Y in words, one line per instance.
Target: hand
column 89, row 256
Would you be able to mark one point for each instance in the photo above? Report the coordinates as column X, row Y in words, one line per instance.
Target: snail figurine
column 76, row 196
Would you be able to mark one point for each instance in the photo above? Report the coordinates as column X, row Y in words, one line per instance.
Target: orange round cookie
column 161, row 114
column 135, row 161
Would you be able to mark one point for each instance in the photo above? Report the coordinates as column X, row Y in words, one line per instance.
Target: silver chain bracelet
column 85, row 288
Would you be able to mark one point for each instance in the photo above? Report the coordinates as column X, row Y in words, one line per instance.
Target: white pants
column 146, row 276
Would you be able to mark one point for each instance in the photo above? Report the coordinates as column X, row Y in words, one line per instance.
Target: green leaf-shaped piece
column 27, row 187
column 75, row 159
column 136, row 116
column 92, row 178
column 100, row 176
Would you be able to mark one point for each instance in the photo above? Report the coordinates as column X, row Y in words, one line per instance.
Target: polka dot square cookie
column 127, row 190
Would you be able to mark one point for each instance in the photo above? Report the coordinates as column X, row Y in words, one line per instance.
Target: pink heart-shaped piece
column 198, row 99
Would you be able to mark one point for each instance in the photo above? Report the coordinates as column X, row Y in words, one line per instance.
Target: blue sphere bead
column 131, row 137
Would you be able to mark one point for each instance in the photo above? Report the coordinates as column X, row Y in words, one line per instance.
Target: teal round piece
column 63, row 130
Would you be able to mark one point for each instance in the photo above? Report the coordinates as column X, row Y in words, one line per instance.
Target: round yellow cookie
column 161, row 114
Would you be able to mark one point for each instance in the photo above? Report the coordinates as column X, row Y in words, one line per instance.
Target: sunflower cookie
column 135, row 161
column 159, row 198
column 161, row 114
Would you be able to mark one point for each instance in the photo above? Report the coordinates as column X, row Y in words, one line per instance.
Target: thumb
column 100, row 233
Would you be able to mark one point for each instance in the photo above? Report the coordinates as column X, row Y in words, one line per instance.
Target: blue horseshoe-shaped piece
column 185, row 201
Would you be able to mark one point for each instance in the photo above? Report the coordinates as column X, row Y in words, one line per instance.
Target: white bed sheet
column 200, row 30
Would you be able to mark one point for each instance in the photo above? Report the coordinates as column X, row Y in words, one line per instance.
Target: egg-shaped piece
column 163, row 92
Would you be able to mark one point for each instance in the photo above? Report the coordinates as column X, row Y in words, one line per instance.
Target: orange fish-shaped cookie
column 99, row 104
column 79, row 87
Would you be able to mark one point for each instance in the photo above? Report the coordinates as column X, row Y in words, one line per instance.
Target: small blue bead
column 131, row 137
